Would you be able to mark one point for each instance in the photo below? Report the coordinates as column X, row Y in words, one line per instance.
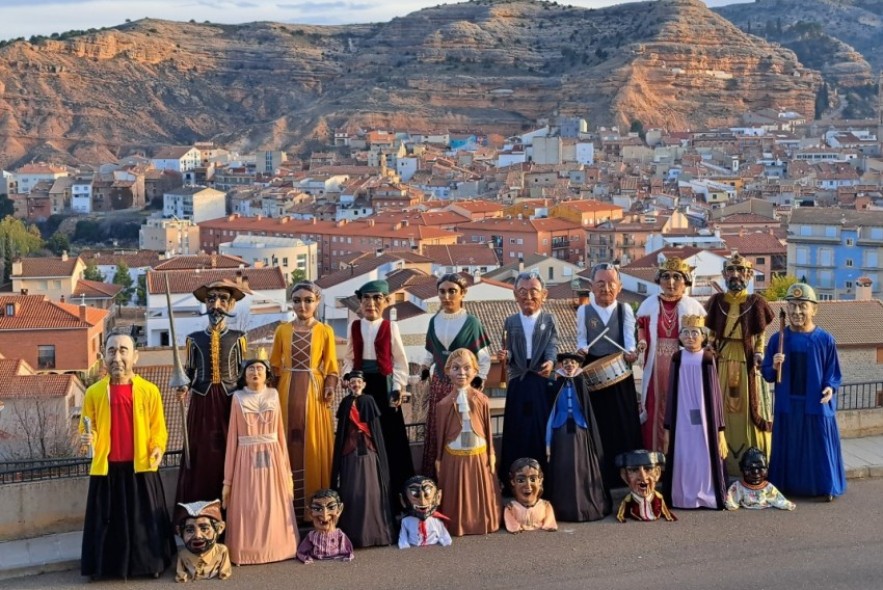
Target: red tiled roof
column 755, row 243
column 201, row 261
column 461, row 254
column 138, row 259
column 46, row 385
column 852, row 323
column 96, row 290
column 35, row 311
column 12, row 367
column 47, row 267
column 159, row 375
column 185, row 281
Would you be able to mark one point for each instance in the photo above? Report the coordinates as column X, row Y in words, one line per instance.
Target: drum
column 606, row 371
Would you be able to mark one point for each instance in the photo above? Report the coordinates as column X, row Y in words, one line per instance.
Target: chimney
column 370, row 223
column 863, row 289
column 24, row 291
column 239, row 278
column 245, row 286
column 214, row 260
column 62, row 299
column 17, row 269
column 520, row 264
column 314, row 221
column 64, row 257
column 476, row 277
column 378, row 252
column 393, row 314
column 82, row 312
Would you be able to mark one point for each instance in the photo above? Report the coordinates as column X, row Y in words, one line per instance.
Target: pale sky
column 23, row 18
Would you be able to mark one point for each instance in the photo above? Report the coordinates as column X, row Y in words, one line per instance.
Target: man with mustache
column 806, row 458
column 213, row 359
column 736, row 320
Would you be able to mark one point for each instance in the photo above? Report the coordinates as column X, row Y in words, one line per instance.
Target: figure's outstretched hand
column 86, row 439
column 827, row 394
column 395, row 399
column 778, row 359
column 225, row 496
column 546, row 368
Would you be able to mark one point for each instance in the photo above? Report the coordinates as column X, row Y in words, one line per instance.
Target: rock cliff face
column 493, row 65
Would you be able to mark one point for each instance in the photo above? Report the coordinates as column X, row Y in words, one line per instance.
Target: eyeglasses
column 671, row 276
column 375, row 297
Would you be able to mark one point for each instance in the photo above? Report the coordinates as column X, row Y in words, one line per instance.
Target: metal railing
column 850, row 396
column 866, row 395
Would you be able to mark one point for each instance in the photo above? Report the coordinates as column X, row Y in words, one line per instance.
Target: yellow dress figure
column 304, row 360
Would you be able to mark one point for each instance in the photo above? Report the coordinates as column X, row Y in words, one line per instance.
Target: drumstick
column 601, row 335
column 614, row 343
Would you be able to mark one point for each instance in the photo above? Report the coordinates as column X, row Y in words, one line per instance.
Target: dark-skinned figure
column 754, row 491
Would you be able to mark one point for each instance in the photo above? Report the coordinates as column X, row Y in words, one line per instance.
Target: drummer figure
column 605, row 334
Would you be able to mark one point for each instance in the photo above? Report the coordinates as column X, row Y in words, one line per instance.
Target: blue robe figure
column 806, row 457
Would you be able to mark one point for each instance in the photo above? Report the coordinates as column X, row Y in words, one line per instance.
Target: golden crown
column 737, row 260
column 676, row 264
column 693, row 321
column 260, row 354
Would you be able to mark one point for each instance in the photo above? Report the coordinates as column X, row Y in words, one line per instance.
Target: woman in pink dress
column 258, row 489
column 659, row 321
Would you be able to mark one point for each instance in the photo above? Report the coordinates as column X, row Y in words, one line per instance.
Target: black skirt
column 127, row 530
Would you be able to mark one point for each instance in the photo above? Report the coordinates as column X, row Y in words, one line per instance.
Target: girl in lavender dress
column 694, row 424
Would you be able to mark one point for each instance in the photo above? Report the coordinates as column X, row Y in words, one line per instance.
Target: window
column 642, row 288
column 825, row 297
column 848, row 284
column 520, row 241
column 759, row 260
column 826, row 257
column 802, row 255
column 826, row 279
column 849, row 263
column 545, row 241
column 830, row 231
column 551, row 273
column 850, row 242
column 511, row 240
column 10, row 309
column 285, row 261
column 46, row 356
column 871, row 259
column 511, row 254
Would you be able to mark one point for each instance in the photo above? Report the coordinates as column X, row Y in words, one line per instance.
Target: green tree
column 124, row 279
column 141, row 290
column 298, row 275
column 6, row 206
column 58, row 243
column 92, row 273
column 778, row 287
column 18, row 240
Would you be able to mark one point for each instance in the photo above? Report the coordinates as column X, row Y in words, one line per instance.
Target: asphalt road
column 820, row 545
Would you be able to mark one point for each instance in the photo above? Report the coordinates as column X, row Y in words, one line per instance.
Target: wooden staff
column 781, row 343
column 504, row 376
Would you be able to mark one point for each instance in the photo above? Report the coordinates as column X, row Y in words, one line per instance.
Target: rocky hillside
column 843, row 39
column 495, row 65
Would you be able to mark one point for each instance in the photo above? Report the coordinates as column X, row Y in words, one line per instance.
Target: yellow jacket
column 148, row 423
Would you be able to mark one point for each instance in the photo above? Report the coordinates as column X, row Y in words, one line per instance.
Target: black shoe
column 829, row 498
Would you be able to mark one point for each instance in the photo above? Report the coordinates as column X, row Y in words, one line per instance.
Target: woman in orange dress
column 305, row 361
